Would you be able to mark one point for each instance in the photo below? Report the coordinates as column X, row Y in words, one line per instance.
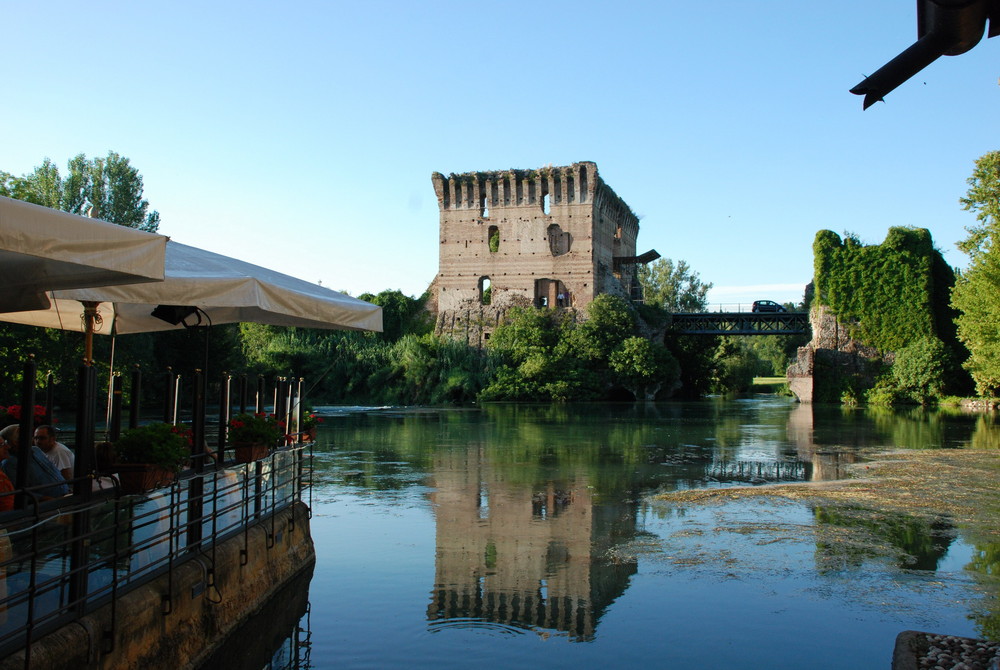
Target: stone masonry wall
column 831, row 355
column 556, row 234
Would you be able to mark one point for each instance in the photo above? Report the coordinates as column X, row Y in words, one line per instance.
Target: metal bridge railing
column 64, row 558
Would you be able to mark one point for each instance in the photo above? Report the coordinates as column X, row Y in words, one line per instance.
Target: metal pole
column 26, row 430
column 48, row 398
column 177, row 397
column 281, row 402
column 224, row 412
column 168, row 398
column 260, row 394
column 83, row 466
column 134, row 400
column 115, row 427
column 299, row 411
column 197, row 486
column 243, row 394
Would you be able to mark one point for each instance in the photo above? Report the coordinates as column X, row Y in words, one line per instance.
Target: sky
column 301, row 136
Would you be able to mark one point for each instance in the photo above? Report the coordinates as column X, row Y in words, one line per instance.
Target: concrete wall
column 202, row 614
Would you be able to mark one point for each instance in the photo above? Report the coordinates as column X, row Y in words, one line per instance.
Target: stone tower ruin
column 555, row 237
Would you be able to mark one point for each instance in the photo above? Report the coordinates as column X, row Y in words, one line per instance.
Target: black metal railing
column 54, row 569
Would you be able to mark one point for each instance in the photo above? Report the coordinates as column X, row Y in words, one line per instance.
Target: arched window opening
column 545, row 204
column 494, row 239
column 485, row 291
column 484, row 206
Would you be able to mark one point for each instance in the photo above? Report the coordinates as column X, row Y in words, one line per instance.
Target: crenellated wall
column 555, row 232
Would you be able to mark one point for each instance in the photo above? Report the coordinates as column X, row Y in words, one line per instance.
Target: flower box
column 141, row 477
column 248, row 452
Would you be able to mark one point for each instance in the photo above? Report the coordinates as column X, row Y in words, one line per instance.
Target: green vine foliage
column 894, row 292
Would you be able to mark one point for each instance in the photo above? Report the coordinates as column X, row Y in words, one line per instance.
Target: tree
column 106, row 188
column 977, row 296
column 920, row 369
column 977, row 291
column 644, row 368
column 673, row 288
column 401, row 314
column 610, row 320
column 983, row 198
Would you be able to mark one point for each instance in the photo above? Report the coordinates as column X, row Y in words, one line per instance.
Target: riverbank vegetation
column 898, row 298
column 933, row 329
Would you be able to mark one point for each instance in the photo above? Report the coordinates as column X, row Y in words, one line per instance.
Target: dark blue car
column 767, row 306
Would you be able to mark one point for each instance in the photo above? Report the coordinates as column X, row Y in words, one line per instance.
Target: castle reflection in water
column 527, row 556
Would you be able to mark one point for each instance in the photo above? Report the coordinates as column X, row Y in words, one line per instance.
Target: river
column 516, row 536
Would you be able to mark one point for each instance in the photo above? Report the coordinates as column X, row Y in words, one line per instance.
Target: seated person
column 57, row 452
column 41, row 472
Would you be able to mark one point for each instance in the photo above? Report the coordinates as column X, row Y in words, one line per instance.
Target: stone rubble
column 949, row 652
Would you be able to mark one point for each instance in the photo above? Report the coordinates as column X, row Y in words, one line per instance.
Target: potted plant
column 309, row 424
column 254, row 435
column 150, row 456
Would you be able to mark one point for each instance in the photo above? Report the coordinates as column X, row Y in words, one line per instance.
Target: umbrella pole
column 89, row 317
column 111, row 391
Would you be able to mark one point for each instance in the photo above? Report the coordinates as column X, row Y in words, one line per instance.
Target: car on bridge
column 767, row 306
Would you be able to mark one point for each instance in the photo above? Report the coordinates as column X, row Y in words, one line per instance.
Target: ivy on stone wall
column 893, row 293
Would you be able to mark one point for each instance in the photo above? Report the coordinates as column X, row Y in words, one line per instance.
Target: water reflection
column 527, row 555
column 826, row 462
column 916, row 543
column 529, row 507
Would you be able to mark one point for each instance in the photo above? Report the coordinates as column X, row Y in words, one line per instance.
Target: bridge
column 740, row 323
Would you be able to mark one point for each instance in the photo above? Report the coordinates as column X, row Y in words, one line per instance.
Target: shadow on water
column 277, row 636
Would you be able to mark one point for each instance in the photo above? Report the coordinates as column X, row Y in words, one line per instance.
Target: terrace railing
column 64, row 558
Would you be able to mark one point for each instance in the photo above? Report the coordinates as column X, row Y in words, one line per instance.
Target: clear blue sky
column 302, row 135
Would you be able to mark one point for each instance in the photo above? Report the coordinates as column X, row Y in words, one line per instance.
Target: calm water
column 522, row 536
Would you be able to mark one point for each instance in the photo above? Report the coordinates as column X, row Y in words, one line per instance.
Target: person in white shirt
column 57, row 452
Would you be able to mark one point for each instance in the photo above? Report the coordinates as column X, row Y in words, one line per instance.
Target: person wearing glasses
column 41, row 472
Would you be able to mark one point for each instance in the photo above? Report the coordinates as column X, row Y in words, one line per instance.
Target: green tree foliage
column 107, row 188
column 401, row 314
column 983, row 198
column 921, row 369
column 643, row 367
column 696, row 356
column 734, row 367
column 895, row 294
column 673, row 287
column 889, row 290
column 977, row 297
column 771, row 354
column 544, row 356
column 977, row 292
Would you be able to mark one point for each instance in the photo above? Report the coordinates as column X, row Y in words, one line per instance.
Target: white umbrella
column 43, row 249
column 223, row 289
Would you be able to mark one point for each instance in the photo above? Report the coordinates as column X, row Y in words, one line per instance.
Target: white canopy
column 43, row 249
column 225, row 289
